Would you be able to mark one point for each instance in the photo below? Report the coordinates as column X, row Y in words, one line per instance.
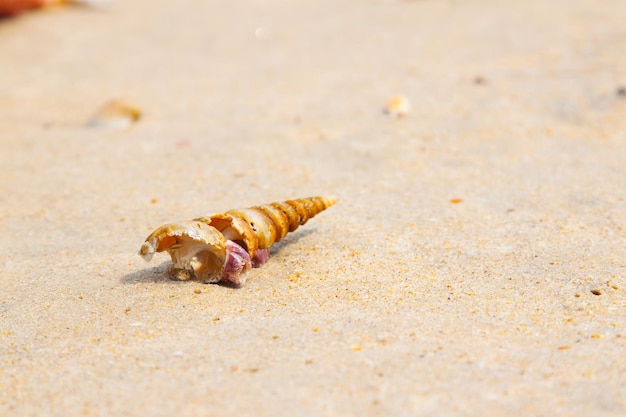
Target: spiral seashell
column 223, row 246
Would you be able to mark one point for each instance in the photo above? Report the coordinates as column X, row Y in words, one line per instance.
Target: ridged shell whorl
column 199, row 247
column 261, row 226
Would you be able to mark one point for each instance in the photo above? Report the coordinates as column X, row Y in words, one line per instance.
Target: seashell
column 117, row 114
column 224, row 246
column 398, row 106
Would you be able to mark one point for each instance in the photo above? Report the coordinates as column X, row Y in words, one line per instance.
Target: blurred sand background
column 457, row 275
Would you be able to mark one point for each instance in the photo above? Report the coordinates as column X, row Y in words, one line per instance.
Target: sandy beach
column 474, row 265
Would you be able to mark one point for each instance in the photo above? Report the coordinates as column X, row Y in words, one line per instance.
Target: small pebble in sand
column 456, row 200
column 620, row 92
column 398, row 106
column 117, row 114
column 479, row 80
column 596, row 292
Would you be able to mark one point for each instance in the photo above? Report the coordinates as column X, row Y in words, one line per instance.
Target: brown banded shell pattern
column 261, row 226
column 198, row 247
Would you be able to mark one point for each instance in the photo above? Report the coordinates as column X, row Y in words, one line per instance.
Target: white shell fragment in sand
column 398, row 106
column 116, row 114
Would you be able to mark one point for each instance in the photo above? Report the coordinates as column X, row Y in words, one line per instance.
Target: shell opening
column 196, row 249
column 189, row 254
